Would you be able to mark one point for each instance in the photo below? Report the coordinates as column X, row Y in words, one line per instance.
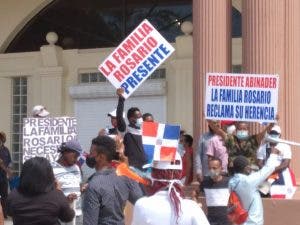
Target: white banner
column 43, row 136
column 241, row 97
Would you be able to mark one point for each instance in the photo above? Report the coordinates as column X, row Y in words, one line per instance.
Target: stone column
column 180, row 81
column 212, row 50
column 271, row 44
column 48, row 80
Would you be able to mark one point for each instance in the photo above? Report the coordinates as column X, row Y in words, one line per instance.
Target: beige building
column 61, row 73
column 64, row 77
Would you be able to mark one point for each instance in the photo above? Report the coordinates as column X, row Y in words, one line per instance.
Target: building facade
column 61, row 72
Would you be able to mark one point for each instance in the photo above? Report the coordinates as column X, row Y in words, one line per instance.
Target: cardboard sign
column 43, row 136
column 241, row 97
column 136, row 58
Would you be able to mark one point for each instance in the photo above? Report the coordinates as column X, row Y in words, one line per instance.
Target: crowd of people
column 226, row 158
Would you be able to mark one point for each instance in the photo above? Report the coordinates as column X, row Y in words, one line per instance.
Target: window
column 96, row 77
column 99, row 23
column 19, row 111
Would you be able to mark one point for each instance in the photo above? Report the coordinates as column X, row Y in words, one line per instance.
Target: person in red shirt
column 187, row 159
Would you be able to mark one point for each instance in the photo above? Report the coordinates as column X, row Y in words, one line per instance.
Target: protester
column 148, row 117
column 201, row 158
column 166, row 204
column 216, row 192
column 242, row 143
column 280, row 184
column 134, row 149
column 5, row 171
column 187, row 158
column 39, row 111
column 113, row 130
column 107, row 193
column 68, row 175
column 216, row 148
column 246, row 184
column 37, row 201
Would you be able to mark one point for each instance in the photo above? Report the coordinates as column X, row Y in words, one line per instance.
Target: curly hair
column 105, row 145
column 131, row 111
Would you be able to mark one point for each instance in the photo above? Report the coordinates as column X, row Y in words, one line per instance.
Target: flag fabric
column 81, row 159
column 160, row 141
column 285, row 186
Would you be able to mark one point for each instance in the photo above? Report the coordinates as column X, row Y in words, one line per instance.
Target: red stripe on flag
column 149, row 129
column 278, row 196
column 293, row 178
column 167, row 154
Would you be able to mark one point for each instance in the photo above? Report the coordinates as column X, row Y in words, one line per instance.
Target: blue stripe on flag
column 149, row 150
column 171, row 132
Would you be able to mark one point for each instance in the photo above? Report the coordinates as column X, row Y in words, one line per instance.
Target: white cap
column 114, row 113
column 166, row 165
column 39, row 111
column 276, row 128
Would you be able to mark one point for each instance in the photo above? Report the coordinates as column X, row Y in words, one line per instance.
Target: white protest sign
column 136, row 58
column 43, row 136
column 241, row 97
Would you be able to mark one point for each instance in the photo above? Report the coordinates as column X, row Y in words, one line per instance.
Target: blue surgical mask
column 139, row 122
column 274, row 135
column 242, row 134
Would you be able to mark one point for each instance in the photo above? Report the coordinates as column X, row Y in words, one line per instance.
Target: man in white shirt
column 166, row 205
column 282, row 180
column 68, row 175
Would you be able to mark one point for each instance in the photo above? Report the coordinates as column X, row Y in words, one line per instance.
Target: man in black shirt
column 107, row 193
column 216, row 192
column 133, row 144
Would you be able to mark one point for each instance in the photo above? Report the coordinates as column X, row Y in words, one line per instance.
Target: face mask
column 213, row 174
column 242, row 134
column 90, row 162
column 139, row 122
column 180, row 149
column 274, row 136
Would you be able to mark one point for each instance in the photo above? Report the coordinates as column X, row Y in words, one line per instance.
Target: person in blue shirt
column 245, row 184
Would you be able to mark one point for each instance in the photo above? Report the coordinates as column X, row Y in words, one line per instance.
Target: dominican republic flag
column 160, row 141
column 81, row 159
column 285, row 186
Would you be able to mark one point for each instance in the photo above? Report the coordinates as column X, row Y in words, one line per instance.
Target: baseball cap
column 166, row 165
column 276, row 128
column 71, row 145
column 40, row 111
column 114, row 113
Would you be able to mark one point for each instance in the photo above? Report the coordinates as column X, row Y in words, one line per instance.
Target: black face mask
column 90, row 161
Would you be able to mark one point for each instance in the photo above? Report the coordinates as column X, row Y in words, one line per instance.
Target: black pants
column 218, row 220
column 3, row 194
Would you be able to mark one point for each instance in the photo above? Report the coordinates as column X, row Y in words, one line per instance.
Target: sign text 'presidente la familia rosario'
column 136, row 58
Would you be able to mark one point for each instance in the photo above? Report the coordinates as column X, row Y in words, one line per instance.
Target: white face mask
column 242, row 134
column 139, row 122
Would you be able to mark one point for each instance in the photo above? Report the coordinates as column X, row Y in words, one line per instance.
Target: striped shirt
column 105, row 198
column 69, row 178
column 216, row 196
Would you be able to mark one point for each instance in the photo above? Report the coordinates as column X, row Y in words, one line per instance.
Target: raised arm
column 121, row 125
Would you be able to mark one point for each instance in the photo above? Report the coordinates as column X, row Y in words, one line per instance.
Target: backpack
column 236, row 213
